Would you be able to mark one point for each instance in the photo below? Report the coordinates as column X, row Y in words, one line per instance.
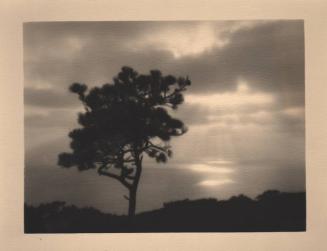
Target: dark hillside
column 270, row 211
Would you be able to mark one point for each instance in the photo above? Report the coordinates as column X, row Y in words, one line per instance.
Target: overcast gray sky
column 244, row 110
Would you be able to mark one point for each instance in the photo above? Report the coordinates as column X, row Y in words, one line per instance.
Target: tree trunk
column 132, row 202
column 133, row 188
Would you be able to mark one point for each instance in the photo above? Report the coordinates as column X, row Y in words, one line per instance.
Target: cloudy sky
column 244, row 110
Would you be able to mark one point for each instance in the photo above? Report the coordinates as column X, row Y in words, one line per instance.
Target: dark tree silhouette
column 122, row 122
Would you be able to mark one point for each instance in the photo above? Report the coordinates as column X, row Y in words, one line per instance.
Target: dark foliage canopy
column 125, row 119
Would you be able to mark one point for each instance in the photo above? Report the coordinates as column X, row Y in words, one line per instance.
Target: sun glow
column 220, row 162
column 183, row 41
column 242, row 96
column 210, row 169
column 211, row 183
column 201, row 39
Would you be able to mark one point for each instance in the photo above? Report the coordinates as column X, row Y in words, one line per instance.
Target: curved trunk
column 133, row 188
column 132, row 202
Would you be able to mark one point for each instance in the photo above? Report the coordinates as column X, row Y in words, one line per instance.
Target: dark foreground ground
column 270, row 211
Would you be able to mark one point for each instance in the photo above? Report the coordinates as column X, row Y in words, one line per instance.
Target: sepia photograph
column 164, row 126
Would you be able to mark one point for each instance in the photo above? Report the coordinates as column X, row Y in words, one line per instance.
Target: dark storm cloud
column 269, row 55
column 120, row 30
column 63, row 118
column 49, row 98
column 93, row 53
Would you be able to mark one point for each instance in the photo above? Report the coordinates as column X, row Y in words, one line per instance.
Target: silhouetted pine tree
column 122, row 122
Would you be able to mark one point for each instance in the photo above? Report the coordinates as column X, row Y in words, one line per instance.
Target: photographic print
column 164, row 126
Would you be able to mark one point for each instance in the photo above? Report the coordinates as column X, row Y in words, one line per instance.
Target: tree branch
column 120, row 178
column 151, row 145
